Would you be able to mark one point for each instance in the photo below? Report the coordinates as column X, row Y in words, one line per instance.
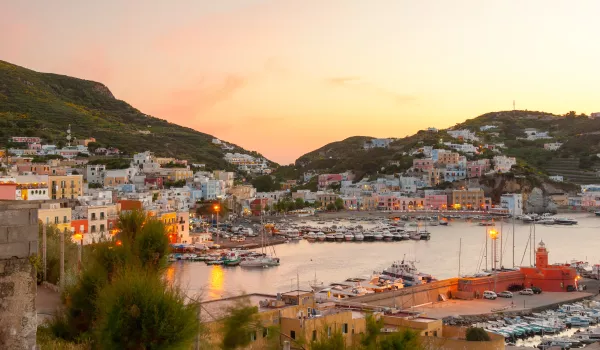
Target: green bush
column 139, row 310
column 477, row 334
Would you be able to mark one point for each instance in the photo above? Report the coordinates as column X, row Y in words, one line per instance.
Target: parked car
column 536, row 290
column 526, row 291
column 505, row 294
column 488, row 294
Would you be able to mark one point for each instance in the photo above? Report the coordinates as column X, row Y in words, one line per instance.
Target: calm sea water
column 336, row 261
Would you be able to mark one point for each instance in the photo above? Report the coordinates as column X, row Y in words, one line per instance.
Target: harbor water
column 439, row 256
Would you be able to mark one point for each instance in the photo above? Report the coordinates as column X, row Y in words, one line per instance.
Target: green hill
column 43, row 105
column 579, row 134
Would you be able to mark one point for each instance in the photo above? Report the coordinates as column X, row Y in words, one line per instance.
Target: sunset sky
column 284, row 77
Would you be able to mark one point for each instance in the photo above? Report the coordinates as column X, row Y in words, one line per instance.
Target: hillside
column 43, row 105
column 576, row 159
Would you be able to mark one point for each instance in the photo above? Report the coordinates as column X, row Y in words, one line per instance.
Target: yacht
column 330, row 236
column 359, row 236
column 415, row 236
column 377, row 236
column 387, row 236
column 546, row 221
column 263, row 261
column 565, row 221
column 339, row 236
column 320, row 236
column 311, row 236
column 349, row 237
column 407, row 271
column 368, row 236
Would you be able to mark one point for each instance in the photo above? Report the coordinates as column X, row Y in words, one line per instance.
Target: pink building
column 409, row 203
column 387, row 202
column 477, row 168
column 329, row 179
column 8, row 191
column 422, row 165
column 36, row 146
column 436, row 201
column 39, row 169
column 350, row 203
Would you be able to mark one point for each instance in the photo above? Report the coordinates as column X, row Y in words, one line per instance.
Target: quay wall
column 18, row 288
column 412, row 296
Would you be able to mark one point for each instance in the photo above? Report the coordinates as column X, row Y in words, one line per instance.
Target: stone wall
column 18, row 241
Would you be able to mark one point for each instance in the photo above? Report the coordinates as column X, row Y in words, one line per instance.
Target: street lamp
column 78, row 237
column 217, row 208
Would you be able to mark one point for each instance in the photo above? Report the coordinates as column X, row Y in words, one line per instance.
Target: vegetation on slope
column 43, row 105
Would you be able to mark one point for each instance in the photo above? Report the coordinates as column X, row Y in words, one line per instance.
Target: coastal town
column 216, row 217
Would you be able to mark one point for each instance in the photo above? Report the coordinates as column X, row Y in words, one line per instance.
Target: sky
column 284, row 77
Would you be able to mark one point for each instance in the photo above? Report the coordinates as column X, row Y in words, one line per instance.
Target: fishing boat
column 232, row 259
column 320, row 236
column 349, row 237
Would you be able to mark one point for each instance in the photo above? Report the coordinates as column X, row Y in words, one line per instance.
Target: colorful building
column 65, row 187
column 471, row 199
column 55, row 214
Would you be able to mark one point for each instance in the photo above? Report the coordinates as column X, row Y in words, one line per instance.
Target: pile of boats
column 393, row 234
column 550, row 326
column 547, row 219
column 231, row 258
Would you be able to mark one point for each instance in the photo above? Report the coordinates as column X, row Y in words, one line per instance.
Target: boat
column 339, row 236
column 425, row 235
column 232, row 259
column 486, row 223
column 368, row 236
column 597, row 213
column 330, row 237
column 316, row 285
column 416, row 236
column 265, row 261
column 377, row 236
column 320, row 236
column 546, row 221
column 358, row 237
column 407, row 271
column 565, row 221
column 310, row 236
column 443, row 222
column 387, row 236
column 349, row 237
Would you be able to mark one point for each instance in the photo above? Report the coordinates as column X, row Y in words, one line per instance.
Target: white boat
column 407, row 271
column 330, row 236
column 377, row 236
column 358, row 237
column 546, row 221
column 415, row 236
column 387, row 236
column 565, row 221
column 320, row 236
column 368, row 236
column 339, row 236
column 264, row 261
column 310, row 236
column 349, row 237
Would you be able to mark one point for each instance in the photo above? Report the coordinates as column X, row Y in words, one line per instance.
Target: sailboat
column 264, row 260
column 316, row 285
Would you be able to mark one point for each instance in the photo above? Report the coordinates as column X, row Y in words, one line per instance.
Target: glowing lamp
column 493, row 234
column 119, row 243
column 78, row 236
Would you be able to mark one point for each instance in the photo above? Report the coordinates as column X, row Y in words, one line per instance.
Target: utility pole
column 459, row 253
column 513, row 238
column 62, row 260
column 44, row 233
column 486, row 250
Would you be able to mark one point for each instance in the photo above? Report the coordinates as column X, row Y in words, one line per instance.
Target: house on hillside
column 554, row 146
column 535, row 134
column 377, row 143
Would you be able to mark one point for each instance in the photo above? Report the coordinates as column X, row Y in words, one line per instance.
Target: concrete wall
column 411, row 296
column 454, row 339
column 18, row 240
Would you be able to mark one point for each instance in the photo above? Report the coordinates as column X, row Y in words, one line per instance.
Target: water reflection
column 215, row 284
column 170, row 274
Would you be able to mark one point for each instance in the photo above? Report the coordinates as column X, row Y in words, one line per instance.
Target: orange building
column 130, row 205
column 549, row 278
column 79, row 224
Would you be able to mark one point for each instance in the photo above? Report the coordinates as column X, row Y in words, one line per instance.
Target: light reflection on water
column 336, row 261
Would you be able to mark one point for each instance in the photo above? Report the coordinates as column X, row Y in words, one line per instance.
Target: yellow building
column 179, row 174
column 65, row 187
column 448, row 157
column 55, row 214
column 169, row 219
column 472, row 198
column 296, row 316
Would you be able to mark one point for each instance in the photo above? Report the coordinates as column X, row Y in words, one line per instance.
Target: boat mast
column 533, row 245
column 486, row 248
column 501, row 240
column 459, row 253
column 513, row 238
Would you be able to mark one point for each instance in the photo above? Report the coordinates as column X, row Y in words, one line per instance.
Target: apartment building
column 55, row 214
column 472, row 198
column 65, row 187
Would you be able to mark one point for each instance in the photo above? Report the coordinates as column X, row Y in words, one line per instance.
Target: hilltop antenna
column 514, row 106
column 69, row 135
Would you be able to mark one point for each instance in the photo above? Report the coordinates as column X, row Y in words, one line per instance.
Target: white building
column 432, row 129
column 216, row 141
column 534, row 134
column 183, row 226
column 487, row 127
column 464, row 147
column 464, row 134
column 554, row 146
column 377, row 143
column 503, row 164
column 95, row 173
column 557, row 178
column 513, row 202
column 146, row 162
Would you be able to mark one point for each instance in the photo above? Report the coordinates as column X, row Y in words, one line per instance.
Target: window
column 56, row 219
column 102, row 228
column 345, row 328
column 314, row 335
column 435, row 333
column 252, row 336
column 265, row 332
column 65, row 219
column 102, row 216
column 293, row 334
column 93, row 229
column 182, row 228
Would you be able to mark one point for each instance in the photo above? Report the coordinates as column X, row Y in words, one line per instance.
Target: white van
column 488, row 294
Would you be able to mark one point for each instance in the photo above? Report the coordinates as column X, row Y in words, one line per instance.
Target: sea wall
column 18, row 241
column 412, row 296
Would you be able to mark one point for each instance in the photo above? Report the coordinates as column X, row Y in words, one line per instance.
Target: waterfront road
column 518, row 303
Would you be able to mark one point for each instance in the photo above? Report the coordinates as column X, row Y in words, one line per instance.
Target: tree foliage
column 476, row 334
